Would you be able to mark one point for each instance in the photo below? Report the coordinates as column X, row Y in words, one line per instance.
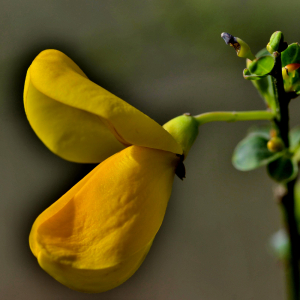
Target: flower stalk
column 234, row 116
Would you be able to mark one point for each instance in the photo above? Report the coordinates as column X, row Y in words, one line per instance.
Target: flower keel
column 97, row 235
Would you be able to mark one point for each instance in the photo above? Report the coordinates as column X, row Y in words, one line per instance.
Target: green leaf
column 262, row 52
column 262, row 66
column 247, row 75
column 252, row 152
column 266, row 90
column 295, row 79
column 297, row 90
column 294, row 136
column 283, row 169
column 259, row 68
column 264, row 85
column 291, row 55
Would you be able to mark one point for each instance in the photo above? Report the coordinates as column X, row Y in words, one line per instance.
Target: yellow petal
column 71, row 133
column 93, row 280
column 96, row 236
column 79, row 120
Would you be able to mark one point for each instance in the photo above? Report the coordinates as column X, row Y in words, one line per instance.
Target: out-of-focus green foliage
column 294, row 137
column 283, row 169
column 280, row 245
column 297, row 201
column 252, row 152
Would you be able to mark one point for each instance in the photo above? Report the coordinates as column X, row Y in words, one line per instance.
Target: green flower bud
column 275, row 144
column 242, row 49
column 184, row 130
column 276, row 42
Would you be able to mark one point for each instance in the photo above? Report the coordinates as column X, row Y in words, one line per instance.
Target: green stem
column 288, row 200
column 282, row 99
column 234, row 116
column 292, row 266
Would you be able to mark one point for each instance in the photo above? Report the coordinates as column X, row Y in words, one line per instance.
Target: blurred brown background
column 165, row 57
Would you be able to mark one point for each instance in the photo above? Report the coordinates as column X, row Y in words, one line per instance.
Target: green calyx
column 244, row 50
column 184, row 130
column 276, row 43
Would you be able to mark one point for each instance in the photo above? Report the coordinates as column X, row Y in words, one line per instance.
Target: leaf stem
column 234, row 116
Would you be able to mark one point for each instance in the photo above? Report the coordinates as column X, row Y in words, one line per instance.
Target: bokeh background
column 164, row 57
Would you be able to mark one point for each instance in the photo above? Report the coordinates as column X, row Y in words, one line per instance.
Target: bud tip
column 228, row 38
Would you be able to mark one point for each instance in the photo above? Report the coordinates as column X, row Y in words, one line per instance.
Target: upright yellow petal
column 96, row 236
column 71, row 133
column 79, row 120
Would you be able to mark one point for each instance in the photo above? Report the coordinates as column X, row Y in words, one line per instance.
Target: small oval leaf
column 262, row 66
column 283, row 169
column 252, row 152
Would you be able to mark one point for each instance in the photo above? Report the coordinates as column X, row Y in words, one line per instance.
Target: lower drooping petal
column 96, row 236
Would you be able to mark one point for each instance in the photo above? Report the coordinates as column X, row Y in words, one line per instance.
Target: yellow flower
column 96, row 236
